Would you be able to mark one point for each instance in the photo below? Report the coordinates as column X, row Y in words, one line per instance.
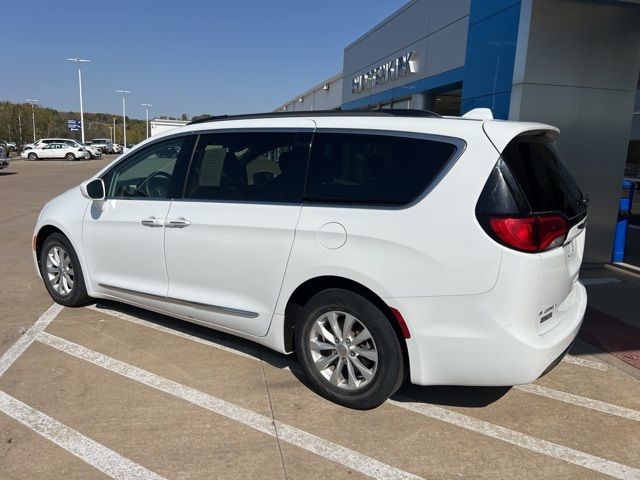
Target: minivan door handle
column 152, row 222
column 177, row 223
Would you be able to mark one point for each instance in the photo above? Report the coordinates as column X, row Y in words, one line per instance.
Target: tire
column 32, row 156
column 380, row 355
column 70, row 156
column 58, row 249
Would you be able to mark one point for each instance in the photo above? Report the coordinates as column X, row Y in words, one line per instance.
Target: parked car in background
column 57, row 150
column 394, row 244
column 4, row 155
column 11, row 146
column 46, row 141
column 94, row 151
column 117, row 148
column 104, row 143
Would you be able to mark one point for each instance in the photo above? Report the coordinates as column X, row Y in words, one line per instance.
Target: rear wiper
column 586, row 198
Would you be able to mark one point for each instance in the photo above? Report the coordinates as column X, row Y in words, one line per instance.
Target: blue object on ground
column 624, row 212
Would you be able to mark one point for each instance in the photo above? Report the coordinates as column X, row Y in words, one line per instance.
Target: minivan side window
column 373, row 169
column 249, row 166
column 145, row 174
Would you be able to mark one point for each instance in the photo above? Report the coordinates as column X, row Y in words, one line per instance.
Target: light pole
column 146, row 107
column 33, row 116
column 111, row 134
column 80, row 61
column 124, row 119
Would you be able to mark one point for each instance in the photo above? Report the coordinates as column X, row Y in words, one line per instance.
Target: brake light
column 531, row 233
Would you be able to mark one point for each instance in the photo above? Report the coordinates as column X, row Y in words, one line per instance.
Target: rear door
column 547, row 187
column 227, row 242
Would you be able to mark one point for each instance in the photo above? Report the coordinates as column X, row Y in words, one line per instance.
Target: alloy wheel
column 343, row 350
column 59, row 270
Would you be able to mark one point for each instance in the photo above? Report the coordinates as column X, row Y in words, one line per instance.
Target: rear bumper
column 467, row 340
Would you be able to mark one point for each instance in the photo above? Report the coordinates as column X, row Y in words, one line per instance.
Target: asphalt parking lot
column 112, row 391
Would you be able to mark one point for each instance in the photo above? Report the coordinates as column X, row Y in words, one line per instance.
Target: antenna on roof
column 479, row 114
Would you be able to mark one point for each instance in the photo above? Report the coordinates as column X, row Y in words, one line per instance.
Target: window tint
column 373, row 169
column 249, row 166
column 544, row 180
column 147, row 173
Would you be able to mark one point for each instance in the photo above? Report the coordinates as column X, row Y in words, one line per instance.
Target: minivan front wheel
column 348, row 349
column 62, row 273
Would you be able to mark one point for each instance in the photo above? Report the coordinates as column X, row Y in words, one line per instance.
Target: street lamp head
column 123, row 91
column 79, row 60
column 146, row 105
column 31, row 100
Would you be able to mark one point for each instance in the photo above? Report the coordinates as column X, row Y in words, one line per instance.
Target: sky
column 181, row 56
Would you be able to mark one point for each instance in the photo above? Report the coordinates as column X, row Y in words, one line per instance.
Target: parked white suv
column 373, row 244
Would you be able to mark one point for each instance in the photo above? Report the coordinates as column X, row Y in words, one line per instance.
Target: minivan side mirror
column 93, row 189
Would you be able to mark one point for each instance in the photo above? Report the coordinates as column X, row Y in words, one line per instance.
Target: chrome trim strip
column 215, row 308
column 134, row 292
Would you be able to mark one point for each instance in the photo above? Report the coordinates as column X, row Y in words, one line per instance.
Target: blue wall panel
column 481, row 9
column 498, row 103
column 491, row 49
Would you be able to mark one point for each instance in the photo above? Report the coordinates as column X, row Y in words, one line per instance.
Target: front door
column 228, row 241
column 123, row 236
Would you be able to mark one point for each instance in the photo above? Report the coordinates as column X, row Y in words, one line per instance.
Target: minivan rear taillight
column 529, row 233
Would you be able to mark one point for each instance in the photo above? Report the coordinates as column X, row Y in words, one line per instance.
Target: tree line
column 16, row 124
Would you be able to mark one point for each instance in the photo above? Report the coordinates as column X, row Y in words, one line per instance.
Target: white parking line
column 583, row 362
column 339, row 454
column 93, row 453
column 28, row 337
column 576, row 457
column 581, row 401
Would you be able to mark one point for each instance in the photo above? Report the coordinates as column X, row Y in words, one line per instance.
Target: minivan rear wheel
column 349, row 351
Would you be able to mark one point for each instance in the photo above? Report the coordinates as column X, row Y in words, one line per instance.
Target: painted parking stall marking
column 339, row 454
column 28, row 337
column 93, row 453
column 576, row 457
column 581, row 401
column 522, row 440
column 583, row 362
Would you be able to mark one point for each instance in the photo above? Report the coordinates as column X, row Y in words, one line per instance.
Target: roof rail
column 398, row 112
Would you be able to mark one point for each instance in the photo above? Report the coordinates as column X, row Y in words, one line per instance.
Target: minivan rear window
column 370, row 169
column 545, row 182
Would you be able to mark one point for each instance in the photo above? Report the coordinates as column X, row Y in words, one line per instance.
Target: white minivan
column 376, row 245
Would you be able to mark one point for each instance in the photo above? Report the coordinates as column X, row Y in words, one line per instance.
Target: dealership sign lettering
column 384, row 73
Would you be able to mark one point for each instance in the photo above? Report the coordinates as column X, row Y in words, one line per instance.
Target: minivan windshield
column 545, row 181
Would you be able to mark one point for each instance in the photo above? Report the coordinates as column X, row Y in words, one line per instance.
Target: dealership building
column 569, row 63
